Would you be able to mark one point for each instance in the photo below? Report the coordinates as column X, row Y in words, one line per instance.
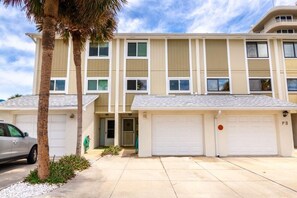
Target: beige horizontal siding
column 291, row 64
column 293, row 98
column 216, row 58
column 259, row 68
column 129, row 100
column 178, row 58
column 101, row 104
column 137, row 68
column 292, row 74
column 98, row 68
column 60, row 57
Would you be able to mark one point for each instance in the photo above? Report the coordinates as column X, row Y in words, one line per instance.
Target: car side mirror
column 26, row 134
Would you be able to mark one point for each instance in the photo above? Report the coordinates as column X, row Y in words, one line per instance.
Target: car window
column 2, row 130
column 14, row 132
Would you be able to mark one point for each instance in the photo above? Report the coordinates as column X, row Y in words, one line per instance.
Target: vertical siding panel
column 158, row 74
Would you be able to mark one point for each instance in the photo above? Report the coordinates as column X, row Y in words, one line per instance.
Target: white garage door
column 56, row 131
column 177, row 135
column 251, row 135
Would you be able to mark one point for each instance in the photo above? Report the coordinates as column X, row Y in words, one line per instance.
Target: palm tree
column 96, row 21
column 48, row 9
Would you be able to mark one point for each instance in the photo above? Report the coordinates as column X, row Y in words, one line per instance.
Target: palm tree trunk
column 77, row 46
column 48, row 43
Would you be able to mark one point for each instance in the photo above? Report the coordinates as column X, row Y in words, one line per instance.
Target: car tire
column 32, row 157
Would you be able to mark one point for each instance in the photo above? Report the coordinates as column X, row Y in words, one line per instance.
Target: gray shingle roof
column 55, row 102
column 210, row 102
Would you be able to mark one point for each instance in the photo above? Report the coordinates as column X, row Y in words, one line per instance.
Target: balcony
column 274, row 25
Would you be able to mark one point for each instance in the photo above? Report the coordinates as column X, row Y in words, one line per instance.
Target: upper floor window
column 218, row 85
column 260, row 84
column 283, row 18
column 290, row 50
column 95, row 85
column 292, row 84
column 179, row 85
column 57, row 85
column 257, row 50
column 285, row 31
column 98, row 49
column 137, row 49
column 136, row 85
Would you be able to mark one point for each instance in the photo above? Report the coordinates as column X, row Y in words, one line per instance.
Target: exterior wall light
column 144, row 115
column 285, row 113
column 71, row 116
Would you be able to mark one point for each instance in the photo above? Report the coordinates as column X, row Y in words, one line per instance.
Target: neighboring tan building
column 181, row 94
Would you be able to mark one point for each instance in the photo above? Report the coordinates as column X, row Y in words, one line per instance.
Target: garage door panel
column 56, row 131
column 177, row 135
column 251, row 135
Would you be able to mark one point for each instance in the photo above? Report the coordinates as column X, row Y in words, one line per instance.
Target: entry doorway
column 109, row 131
column 128, row 131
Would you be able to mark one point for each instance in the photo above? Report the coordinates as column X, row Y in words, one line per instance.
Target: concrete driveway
column 13, row 172
column 184, row 177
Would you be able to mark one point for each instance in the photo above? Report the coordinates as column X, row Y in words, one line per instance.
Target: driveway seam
column 260, row 175
column 120, row 178
column 219, row 179
column 168, row 178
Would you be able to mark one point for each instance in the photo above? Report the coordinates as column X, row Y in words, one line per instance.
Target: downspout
column 217, row 152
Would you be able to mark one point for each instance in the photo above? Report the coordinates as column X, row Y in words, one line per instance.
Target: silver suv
column 14, row 144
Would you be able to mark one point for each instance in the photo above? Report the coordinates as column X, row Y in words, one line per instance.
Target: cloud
column 16, row 53
column 197, row 16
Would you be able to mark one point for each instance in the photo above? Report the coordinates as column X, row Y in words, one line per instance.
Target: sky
column 17, row 51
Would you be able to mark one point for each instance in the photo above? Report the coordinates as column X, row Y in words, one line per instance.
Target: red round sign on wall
column 220, row 127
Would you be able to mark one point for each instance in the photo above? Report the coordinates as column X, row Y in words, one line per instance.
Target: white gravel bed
column 23, row 190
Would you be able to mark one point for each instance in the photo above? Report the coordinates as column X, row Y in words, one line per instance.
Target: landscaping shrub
column 61, row 171
column 78, row 163
column 112, row 150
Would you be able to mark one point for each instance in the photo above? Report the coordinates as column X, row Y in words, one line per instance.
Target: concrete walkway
column 184, row 177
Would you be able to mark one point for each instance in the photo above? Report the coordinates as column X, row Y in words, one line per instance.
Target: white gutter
column 217, row 150
column 214, row 108
column 35, row 108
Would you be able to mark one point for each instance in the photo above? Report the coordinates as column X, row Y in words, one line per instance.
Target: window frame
column 294, row 49
column 97, row 79
column 9, row 134
column 136, row 91
column 257, row 49
column 179, row 79
column 6, row 133
column 98, row 56
column 281, row 31
column 291, row 78
column 218, row 78
column 260, row 78
column 280, row 16
column 137, row 57
column 58, row 91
